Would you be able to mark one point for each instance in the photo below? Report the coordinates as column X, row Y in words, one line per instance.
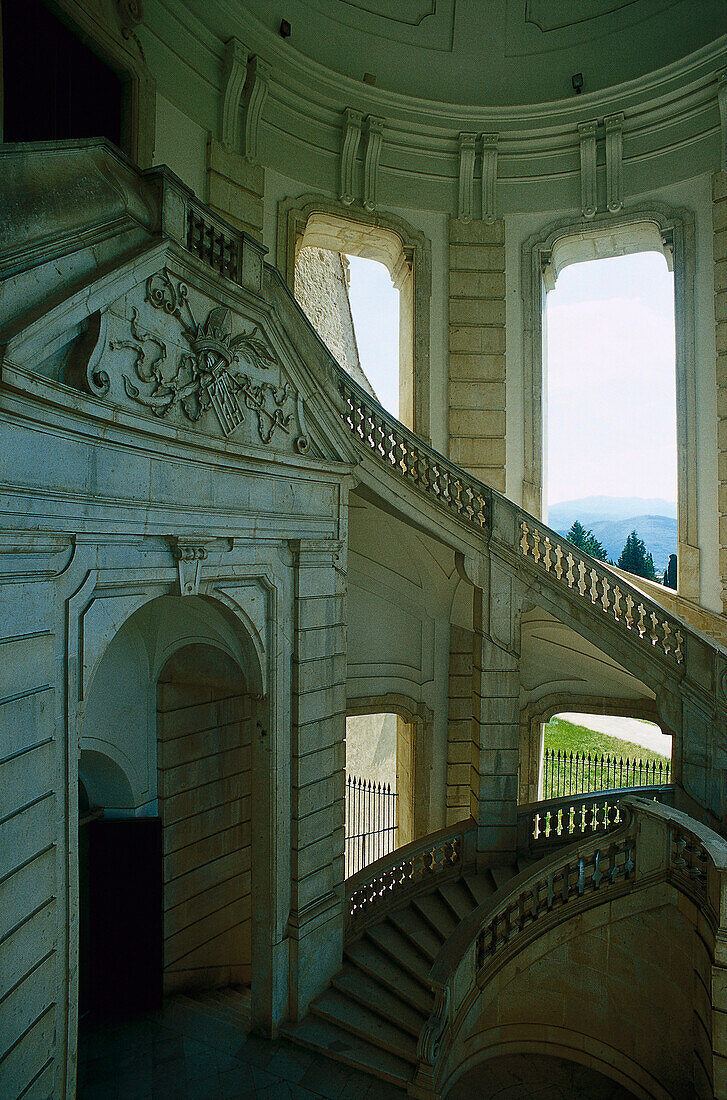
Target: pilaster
column 719, row 225
column 317, row 770
column 477, row 348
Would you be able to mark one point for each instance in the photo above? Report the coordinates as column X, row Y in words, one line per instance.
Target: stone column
column 477, row 348
column 318, row 763
column 719, row 222
column 460, row 747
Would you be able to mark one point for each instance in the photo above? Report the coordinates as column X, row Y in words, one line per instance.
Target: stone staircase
column 372, row 1014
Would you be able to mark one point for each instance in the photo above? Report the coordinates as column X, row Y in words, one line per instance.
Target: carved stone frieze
column 155, row 354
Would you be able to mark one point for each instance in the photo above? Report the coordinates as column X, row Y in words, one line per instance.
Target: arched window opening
column 585, row 753
column 356, row 286
column 379, row 787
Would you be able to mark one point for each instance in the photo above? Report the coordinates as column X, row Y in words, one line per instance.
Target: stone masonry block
column 476, row 232
column 476, row 311
column 476, row 452
column 464, row 257
column 477, row 423
column 477, row 284
column 464, row 367
column 477, row 395
column 490, row 341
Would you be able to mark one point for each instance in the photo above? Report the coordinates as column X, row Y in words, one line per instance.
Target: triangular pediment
column 189, row 355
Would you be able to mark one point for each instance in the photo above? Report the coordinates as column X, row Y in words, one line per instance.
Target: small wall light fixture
column 284, row 28
column 577, row 82
column 369, row 78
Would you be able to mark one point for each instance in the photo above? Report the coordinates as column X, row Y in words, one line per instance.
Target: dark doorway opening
column 54, row 85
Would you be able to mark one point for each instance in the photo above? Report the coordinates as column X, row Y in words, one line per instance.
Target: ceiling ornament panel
column 542, row 26
column 428, row 24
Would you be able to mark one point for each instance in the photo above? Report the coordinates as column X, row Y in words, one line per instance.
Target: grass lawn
column 566, row 737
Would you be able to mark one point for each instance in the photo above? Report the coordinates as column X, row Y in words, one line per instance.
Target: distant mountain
column 612, row 519
column 590, row 510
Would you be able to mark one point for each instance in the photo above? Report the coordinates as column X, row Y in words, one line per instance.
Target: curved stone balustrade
column 420, row 464
column 604, row 590
column 646, row 843
column 554, row 822
column 407, row 871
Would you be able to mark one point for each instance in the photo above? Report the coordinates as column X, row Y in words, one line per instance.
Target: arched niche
column 645, row 226
column 317, row 221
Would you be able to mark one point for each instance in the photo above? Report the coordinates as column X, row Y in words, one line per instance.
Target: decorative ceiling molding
column 614, row 161
column 374, row 139
column 465, row 210
column 587, row 143
column 253, row 97
column 352, row 121
column 722, row 101
column 489, row 176
column 234, row 76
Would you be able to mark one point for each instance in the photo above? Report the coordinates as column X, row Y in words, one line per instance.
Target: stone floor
column 183, row 1053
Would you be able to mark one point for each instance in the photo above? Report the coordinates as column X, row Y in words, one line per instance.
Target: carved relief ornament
column 207, row 377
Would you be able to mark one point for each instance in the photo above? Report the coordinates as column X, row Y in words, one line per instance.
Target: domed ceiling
column 494, row 52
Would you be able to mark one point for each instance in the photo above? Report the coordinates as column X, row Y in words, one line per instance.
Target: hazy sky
column 611, row 417
column 611, row 408
column 375, row 309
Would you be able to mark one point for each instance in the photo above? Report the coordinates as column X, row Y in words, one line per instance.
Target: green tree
column 634, row 558
column 586, row 540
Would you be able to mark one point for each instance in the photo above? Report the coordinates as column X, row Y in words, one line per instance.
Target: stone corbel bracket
column 374, row 139
column 234, row 77
column 614, row 161
column 489, row 177
column 465, row 210
column 189, row 555
column 587, row 143
column 352, row 122
column 254, row 95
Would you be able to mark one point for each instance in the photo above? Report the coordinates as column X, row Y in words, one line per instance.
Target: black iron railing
column 370, row 822
column 566, row 773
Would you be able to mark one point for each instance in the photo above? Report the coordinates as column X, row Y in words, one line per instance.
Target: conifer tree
column 586, row 540
column 634, row 558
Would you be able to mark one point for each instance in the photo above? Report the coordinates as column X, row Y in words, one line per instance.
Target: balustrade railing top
column 557, row 821
column 608, row 593
column 412, row 458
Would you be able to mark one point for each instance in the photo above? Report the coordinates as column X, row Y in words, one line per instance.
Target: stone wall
column 321, row 287
column 477, row 349
column 204, row 801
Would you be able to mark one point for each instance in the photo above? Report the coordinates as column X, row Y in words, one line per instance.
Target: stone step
column 376, row 997
column 390, row 940
column 436, row 913
column 458, row 898
column 412, row 925
column 320, row 1035
column 338, row 1009
column 365, row 956
column 482, row 887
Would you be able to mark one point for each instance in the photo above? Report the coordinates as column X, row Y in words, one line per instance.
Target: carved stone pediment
column 170, row 352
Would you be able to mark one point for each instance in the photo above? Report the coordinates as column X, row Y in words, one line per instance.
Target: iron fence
column 370, row 822
column 566, row 773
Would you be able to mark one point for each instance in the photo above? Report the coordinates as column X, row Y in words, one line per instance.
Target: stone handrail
column 595, row 583
column 652, row 843
column 407, row 871
column 543, row 826
column 412, row 458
